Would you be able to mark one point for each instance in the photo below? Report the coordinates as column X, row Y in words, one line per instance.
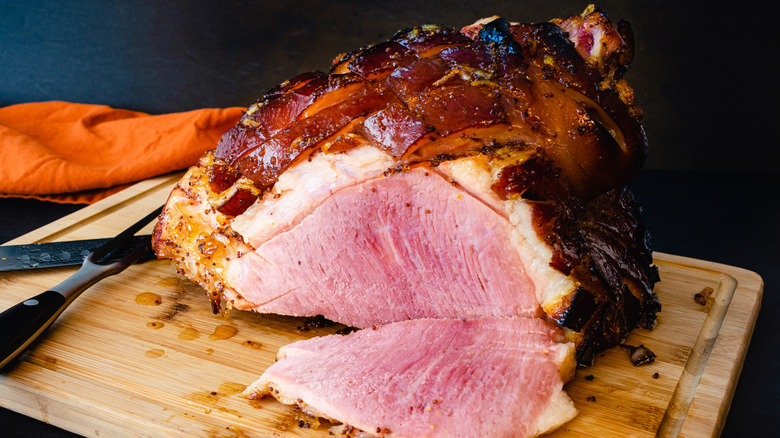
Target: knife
column 51, row 254
column 23, row 323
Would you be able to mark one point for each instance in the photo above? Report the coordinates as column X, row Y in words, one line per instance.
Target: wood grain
column 142, row 354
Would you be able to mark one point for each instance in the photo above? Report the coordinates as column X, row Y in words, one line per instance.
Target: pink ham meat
column 485, row 377
column 382, row 275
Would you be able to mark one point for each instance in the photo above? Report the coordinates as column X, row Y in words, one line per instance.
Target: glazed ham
column 482, row 377
column 443, row 174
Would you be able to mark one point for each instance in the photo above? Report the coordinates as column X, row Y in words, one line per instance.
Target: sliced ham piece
column 488, row 377
column 418, row 246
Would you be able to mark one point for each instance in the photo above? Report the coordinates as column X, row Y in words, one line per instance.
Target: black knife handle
column 23, row 323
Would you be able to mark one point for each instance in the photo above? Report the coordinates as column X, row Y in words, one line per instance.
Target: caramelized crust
column 194, row 233
column 431, row 83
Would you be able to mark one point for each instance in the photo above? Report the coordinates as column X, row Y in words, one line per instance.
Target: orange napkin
column 79, row 153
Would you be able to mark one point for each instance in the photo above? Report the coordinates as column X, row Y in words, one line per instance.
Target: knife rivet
column 31, row 302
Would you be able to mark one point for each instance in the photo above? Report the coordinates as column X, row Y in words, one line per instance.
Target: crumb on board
column 703, row 296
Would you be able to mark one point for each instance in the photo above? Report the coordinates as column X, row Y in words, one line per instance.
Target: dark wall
column 701, row 73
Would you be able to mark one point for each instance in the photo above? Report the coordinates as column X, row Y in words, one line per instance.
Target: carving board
column 141, row 353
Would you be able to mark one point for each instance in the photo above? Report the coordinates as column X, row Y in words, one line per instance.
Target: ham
column 451, row 177
column 497, row 377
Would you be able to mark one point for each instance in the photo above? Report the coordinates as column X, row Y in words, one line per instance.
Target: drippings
column 148, row 299
column 169, row 282
column 204, row 398
column 230, row 388
column 154, row 353
column 223, row 332
column 189, row 334
column 252, row 344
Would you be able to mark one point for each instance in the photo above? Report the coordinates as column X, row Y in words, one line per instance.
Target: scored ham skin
column 498, row 377
column 542, row 139
column 527, row 77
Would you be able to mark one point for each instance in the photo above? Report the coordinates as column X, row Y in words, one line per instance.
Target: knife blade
column 52, row 254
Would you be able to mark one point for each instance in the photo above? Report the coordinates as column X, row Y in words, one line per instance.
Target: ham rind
column 490, row 377
column 429, row 40
column 263, row 165
column 394, row 129
column 381, row 59
column 595, row 138
column 261, row 121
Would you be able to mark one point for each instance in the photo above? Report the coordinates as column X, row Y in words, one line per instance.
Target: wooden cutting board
column 141, row 353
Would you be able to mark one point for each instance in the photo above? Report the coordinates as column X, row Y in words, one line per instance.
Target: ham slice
column 457, row 265
column 495, row 377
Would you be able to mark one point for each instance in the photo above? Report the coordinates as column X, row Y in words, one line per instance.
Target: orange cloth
column 80, row 153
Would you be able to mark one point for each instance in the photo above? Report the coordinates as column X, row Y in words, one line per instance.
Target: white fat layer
column 474, row 174
column 598, row 33
column 559, row 410
column 305, row 186
column 552, row 286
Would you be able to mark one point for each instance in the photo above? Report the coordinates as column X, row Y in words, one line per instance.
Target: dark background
column 702, row 73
